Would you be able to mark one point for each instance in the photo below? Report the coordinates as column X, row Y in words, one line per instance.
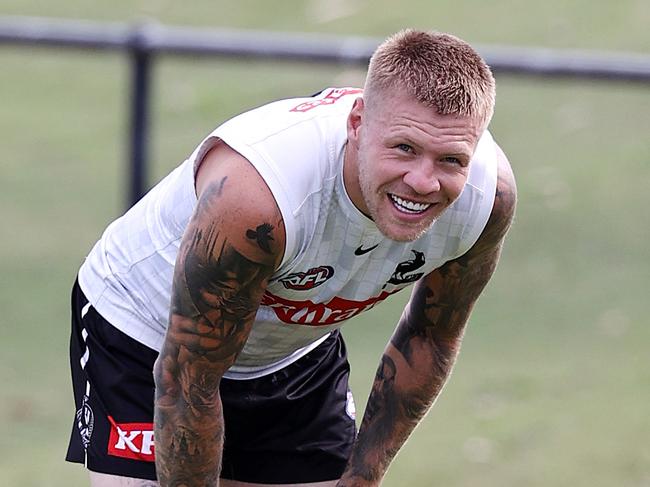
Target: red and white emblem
column 303, row 281
column 131, row 440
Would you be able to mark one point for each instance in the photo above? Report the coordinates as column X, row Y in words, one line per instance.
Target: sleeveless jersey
column 336, row 263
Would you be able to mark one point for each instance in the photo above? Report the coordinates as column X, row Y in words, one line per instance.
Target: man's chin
column 404, row 233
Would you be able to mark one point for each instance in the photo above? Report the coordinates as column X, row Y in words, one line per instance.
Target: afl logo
column 303, row 281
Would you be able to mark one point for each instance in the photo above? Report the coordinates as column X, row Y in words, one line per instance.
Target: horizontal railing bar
column 171, row 40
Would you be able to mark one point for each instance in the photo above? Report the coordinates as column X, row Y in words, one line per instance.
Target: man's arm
column 421, row 353
column 230, row 248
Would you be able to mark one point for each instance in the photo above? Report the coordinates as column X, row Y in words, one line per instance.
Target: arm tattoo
column 216, row 294
column 263, row 235
column 219, row 188
column 425, row 344
column 382, row 410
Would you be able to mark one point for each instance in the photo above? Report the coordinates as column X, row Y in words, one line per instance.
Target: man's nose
column 422, row 177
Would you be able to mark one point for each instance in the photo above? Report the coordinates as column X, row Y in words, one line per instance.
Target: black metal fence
column 143, row 42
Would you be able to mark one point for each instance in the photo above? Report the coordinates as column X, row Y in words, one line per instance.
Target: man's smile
column 408, row 206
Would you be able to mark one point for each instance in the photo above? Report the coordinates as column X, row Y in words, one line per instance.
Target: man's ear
column 355, row 119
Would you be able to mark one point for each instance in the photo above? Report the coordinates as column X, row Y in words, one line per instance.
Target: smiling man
column 230, row 279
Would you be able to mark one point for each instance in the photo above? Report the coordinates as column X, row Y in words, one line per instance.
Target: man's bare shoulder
column 503, row 208
column 231, row 190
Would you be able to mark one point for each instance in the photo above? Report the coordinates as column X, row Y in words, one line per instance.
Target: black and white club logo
column 402, row 274
column 85, row 422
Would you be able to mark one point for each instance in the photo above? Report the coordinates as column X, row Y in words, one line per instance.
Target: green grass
column 553, row 382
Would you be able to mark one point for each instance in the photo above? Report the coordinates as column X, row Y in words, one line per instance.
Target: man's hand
column 230, row 248
column 424, row 346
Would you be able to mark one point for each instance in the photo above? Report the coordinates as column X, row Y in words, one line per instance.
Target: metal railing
column 143, row 42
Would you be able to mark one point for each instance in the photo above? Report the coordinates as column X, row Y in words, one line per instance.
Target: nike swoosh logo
column 361, row 251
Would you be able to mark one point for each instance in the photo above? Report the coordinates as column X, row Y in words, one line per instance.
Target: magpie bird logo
column 85, row 422
column 401, row 274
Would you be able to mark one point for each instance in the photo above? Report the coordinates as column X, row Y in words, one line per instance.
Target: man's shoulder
column 295, row 144
column 233, row 198
column 290, row 116
column 505, row 202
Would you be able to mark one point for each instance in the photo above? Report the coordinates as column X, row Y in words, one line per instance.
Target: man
column 285, row 222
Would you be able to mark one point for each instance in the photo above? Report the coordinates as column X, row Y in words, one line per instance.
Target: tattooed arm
column 423, row 348
column 230, row 248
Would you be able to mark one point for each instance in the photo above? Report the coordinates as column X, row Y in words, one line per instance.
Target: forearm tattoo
column 216, row 295
column 424, row 347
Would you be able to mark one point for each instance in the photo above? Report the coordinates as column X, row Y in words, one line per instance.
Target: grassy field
column 553, row 384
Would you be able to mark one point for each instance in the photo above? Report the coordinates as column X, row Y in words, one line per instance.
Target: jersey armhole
column 274, row 182
column 486, row 193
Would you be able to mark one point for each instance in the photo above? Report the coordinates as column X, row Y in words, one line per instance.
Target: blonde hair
column 439, row 70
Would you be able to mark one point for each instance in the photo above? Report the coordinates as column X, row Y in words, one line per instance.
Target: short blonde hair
column 439, row 70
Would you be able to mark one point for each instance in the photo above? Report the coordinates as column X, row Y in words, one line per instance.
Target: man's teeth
column 409, row 206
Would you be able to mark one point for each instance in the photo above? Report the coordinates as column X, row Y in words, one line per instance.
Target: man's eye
column 453, row 160
column 405, row 147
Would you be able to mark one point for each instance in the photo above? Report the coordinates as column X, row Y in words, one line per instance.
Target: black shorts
column 295, row 425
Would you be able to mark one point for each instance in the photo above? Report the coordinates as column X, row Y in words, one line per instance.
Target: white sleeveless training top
column 336, row 262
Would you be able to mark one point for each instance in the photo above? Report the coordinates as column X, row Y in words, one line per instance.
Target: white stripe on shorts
column 84, row 310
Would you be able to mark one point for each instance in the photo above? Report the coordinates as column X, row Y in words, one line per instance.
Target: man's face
column 405, row 163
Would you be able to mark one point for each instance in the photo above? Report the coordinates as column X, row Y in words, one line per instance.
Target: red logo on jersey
column 302, row 281
column 330, row 98
column 131, row 440
column 315, row 314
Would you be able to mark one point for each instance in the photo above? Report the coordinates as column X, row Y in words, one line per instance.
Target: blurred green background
column 552, row 387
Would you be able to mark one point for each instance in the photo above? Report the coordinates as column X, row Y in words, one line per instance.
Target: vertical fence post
column 140, row 72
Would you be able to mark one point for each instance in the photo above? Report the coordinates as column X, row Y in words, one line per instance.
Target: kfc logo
column 303, row 281
column 131, row 440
